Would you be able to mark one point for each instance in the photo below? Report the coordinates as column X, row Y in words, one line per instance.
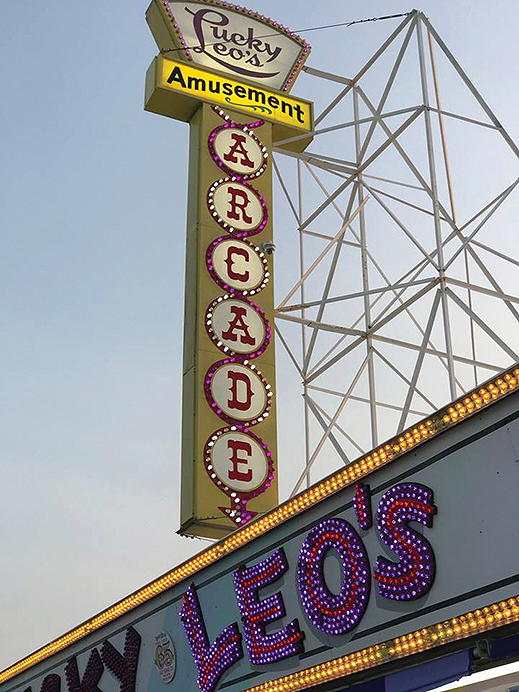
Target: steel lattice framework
column 398, row 306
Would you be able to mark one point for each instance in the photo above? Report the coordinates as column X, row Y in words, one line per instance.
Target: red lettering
column 229, row 261
column 51, row 683
column 235, row 474
column 235, row 402
column 238, row 147
column 91, row 676
column 238, row 323
column 123, row 666
column 235, row 205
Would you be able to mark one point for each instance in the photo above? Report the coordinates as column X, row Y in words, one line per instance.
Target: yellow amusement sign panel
column 175, row 89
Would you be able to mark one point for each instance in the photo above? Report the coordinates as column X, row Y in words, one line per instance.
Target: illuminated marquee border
column 455, row 629
column 296, row 67
column 244, row 496
column 228, row 287
column 236, row 232
column 260, row 350
column 491, row 617
column 215, row 407
column 247, row 129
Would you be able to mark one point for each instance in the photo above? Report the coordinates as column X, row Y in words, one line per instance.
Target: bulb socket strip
column 494, row 616
column 362, row 506
column 458, row 628
column 211, row 660
column 262, row 648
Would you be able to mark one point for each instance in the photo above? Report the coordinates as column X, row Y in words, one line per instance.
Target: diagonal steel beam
column 495, row 252
column 480, row 225
column 482, row 289
column 349, row 296
column 323, row 254
column 313, row 324
column 401, row 225
column 419, row 362
column 405, row 379
column 363, row 166
column 329, row 278
column 483, row 325
column 469, row 85
column 367, row 66
column 332, row 422
column 338, row 427
column 389, row 83
column 364, row 400
column 322, row 420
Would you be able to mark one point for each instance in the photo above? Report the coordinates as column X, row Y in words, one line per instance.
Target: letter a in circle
column 238, row 324
column 239, row 148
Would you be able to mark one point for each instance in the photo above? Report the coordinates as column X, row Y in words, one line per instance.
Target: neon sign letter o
column 328, row 612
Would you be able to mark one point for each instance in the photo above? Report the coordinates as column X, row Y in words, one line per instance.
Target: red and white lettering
column 238, row 148
column 233, row 252
column 234, row 473
column 238, row 393
column 237, row 151
column 238, row 462
column 238, row 324
column 237, row 264
column 237, row 207
column 239, row 200
column 240, row 390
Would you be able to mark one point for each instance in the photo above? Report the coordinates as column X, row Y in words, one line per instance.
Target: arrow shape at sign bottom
column 238, row 513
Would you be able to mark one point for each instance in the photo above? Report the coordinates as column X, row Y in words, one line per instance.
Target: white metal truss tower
column 396, row 262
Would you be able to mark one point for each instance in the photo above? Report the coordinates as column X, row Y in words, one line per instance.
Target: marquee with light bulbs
column 228, row 72
column 367, row 570
column 406, row 554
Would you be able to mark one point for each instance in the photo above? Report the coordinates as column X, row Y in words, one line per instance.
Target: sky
column 92, row 218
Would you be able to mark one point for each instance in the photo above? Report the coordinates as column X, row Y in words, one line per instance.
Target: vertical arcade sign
column 229, row 470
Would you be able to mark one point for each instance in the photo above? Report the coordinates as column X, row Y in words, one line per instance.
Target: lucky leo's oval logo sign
column 233, row 40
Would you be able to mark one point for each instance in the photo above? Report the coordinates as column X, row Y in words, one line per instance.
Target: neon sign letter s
column 412, row 576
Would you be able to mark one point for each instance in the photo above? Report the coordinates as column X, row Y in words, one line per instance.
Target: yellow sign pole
column 229, row 431
column 229, row 441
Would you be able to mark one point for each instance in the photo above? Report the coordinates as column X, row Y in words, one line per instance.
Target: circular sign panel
column 237, row 326
column 237, row 150
column 237, row 207
column 238, row 392
column 237, row 461
column 164, row 657
column 237, row 264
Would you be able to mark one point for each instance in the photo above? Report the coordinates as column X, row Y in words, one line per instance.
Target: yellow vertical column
column 229, row 468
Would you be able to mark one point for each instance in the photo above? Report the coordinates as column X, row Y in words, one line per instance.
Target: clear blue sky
column 92, row 209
